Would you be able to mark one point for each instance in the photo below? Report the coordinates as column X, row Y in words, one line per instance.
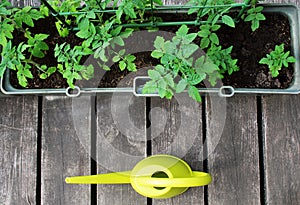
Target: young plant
column 208, row 35
column 36, row 44
column 16, row 57
column 69, row 63
column 254, row 15
column 111, row 49
column 222, row 58
column 178, row 58
column 13, row 57
column 277, row 59
column 26, row 15
column 130, row 8
column 64, row 6
column 216, row 14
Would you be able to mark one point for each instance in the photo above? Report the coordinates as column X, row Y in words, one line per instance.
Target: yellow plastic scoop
column 158, row 176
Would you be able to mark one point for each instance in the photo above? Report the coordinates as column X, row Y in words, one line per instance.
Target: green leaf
column 116, row 31
column 102, row 55
column 115, row 59
column 188, row 50
column 169, row 80
column 88, row 72
column 181, row 86
column 291, row 59
column 196, row 79
column 122, row 52
column 259, row 9
column 105, row 67
column 182, row 31
column 91, row 15
column 26, row 9
column 204, row 33
column 255, row 25
column 204, row 42
column 192, row 10
column 118, row 40
column 264, row 61
column 157, row 54
column 63, row 32
column 22, row 81
column 214, row 38
column 131, row 67
column 83, row 34
column 83, row 25
column 215, row 27
column 119, row 13
column 194, row 93
column 150, row 87
column 250, row 17
column 27, row 73
column 190, row 37
column 40, row 37
column 130, row 58
column 28, row 20
column 51, row 70
column 161, row 69
column 260, row 17
column 43, row 76
column 126, row 33
column 161, row 92
column 228, row 21
column 154, row 75
column 210, row 67
column 159, row 42
column 170, row 47
column 122, row 65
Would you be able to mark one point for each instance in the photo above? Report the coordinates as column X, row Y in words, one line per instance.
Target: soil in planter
column 248, row 47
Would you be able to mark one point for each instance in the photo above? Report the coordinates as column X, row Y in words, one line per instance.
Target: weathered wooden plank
column 281, row 117
column 297, row 2
column 22, row 3
column 65, row 132
column 233, row 158
column 176, row 129
column 174, row 2
column 121, row 143
column 18, row 150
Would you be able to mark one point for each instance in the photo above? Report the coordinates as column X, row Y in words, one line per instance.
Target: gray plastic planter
column 290, row 11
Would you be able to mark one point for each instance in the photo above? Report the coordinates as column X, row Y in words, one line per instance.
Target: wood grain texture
column 234, row 158
column 121, row 143
column 281, row 117
column 63, row 153
column 174, row 2
column 297, row 2
column 176, row 129
column 18, row 143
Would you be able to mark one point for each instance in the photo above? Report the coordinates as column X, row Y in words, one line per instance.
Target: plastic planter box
column 290, row 11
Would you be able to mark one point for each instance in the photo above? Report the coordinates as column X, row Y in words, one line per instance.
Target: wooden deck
column 249, row 144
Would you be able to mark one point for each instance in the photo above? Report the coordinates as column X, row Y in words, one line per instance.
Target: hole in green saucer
column 160, row 174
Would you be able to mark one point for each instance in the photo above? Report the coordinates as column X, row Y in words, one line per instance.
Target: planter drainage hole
column 73, row 92
column 160, row 174
column 226, row 91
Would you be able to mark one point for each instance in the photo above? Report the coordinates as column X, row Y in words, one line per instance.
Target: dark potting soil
column 248, row 47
